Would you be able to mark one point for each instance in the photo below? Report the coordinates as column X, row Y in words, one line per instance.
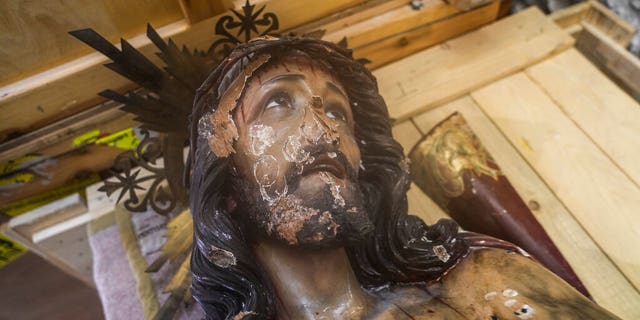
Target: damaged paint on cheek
column 225, row 132
column 266, row 171
column 261, row 137
column 338, row 200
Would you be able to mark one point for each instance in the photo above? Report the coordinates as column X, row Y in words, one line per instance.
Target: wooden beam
column 72, row 87
column 600, row 196
column 198, row 10
column 613, row 59
column 456, row 67
column 56, row 172
column 57, row 138
column 602, row 278
column 448, row 26
column 596, row 14
column 351, row 16
column 389, row 23
column 465, row 5
column 34, row 34
column 596, row 105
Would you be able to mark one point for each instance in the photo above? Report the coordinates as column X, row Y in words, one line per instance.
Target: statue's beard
column 327, row 213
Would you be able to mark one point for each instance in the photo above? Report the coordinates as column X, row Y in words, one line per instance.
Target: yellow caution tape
column 124, row 139
column 9, row 250
column 87, row 138
column 17, row 178
column 13, row 164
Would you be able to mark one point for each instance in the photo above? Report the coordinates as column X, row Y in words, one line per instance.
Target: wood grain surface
column 453, row 68
column 600, row 196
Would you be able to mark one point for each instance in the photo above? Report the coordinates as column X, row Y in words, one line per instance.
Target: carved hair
column 401, row 250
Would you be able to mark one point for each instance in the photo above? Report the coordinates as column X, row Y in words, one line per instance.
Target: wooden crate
column 597, row 15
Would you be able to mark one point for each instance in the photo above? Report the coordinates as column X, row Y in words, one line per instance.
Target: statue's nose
column 317, row 125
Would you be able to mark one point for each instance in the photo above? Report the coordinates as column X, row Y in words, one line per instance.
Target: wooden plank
column 34, row 33
column 600, row 196
column 448, row 26
column 47, row 255
column 72, row 87
column 198, row 10
column 465, row 5
column 390, row 23
column 613, row 59
column 596, row 14
column 58, row 137
column 59, row 171
column 454, row 68
column 420, row 204
column 610, row 23
column 351, row 16
column 598, row 107
column 601, row 277
column 571, row 15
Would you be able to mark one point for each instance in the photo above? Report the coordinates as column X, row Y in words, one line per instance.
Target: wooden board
column 596, row 14
column 448, row 26
column 390, row 23
column 59, row 171
column 57, row 138
column 33, row 35
column 600, row 196
column 597, row 106
column 601, row 277
column 452, row 69
column 612, row 58
column 72, row 87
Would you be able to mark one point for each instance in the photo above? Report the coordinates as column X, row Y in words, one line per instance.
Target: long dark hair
column 401, row 250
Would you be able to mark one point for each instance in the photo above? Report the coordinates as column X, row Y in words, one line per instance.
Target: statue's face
column 297, row 158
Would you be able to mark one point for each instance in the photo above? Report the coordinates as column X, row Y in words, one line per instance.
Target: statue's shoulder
column 492, row 283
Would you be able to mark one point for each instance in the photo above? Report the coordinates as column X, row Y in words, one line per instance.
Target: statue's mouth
column 325, row 163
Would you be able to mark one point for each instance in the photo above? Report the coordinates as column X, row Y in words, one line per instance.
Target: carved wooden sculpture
column 456, row 171
column 298, row 196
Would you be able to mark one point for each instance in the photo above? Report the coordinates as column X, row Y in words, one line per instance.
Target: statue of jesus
column 298, row 194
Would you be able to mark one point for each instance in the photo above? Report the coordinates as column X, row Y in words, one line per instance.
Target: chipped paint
column 221, row 257
column 509, row 293
column 510, row 303
column 525, row 312
column 334, row 188
column 266, row 171
column 288, row 218
column 441, row 253
column 490, row 295
column 225, row 132
column 261, row 137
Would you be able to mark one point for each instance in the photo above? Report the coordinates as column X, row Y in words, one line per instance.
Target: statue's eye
column 337, row 115
column 279, row 100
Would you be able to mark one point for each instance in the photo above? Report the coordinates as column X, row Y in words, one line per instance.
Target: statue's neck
column 313, row 284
